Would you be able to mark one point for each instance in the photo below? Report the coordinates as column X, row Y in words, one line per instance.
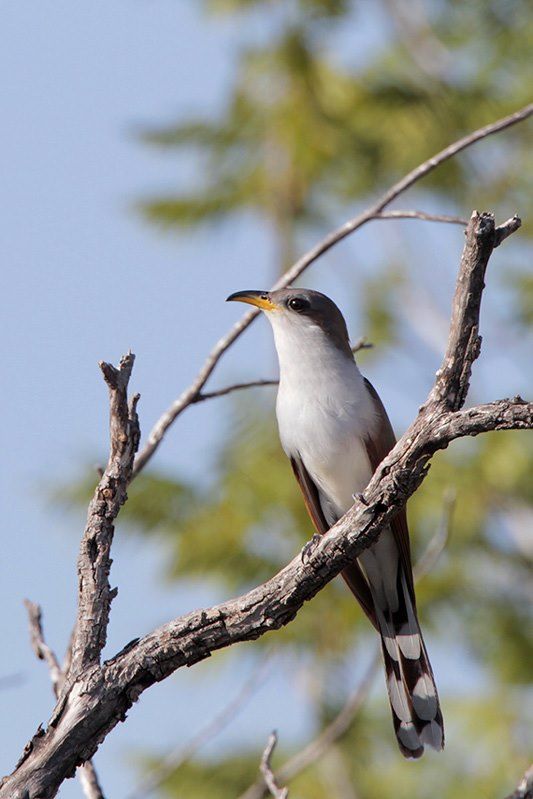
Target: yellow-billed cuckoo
column 335, row 431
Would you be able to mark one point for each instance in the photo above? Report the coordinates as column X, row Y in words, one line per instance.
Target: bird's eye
column 297, row 304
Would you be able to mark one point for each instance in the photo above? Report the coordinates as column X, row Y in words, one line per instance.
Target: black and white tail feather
column 411, row 687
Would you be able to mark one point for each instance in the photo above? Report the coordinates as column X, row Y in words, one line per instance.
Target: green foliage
column 380, row 307
column 522, row 284
column 313, row 8
column 225, row 779
column 498, row 748
column 301, row 133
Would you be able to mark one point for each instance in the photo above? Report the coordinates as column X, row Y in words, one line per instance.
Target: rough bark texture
column 86, row 773
column 96, row 697
column 94, row 563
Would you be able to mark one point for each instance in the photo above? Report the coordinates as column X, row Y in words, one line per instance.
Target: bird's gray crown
column 318, row 308
column 310, row 306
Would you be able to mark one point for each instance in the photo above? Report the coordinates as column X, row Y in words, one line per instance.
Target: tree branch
column 100, row 696
column 374, row 211
column 464, row 343
column 266, row 769
column 40, row 647
column 94, row 591
column 422, row 215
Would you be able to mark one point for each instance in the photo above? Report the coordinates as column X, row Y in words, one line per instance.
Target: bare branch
column 361, row 344
column 187, row 397
column 464, row 343
column 504, row 414
column 101, row 696
column 266, row 769
column 39, row 645
column 221, row 392
column 422, row 215
column 94, row 563
column 506, row 229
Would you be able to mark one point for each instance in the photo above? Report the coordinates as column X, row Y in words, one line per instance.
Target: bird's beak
column 261, row 299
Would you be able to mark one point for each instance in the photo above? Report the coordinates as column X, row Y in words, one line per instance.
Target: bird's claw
column 359, row 497
column 309, row 547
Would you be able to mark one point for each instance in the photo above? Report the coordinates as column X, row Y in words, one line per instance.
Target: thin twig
column 361, row 344
column 422, row 215
column 221, row 392
column 187, row 397
column 506, row 229
column 266, row 769
column 177, row 757
column 39, row 645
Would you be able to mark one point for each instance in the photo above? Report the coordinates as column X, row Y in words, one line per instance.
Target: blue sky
column 85, row 279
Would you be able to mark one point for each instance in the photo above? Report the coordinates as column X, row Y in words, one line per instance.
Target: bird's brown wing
column 377, row 449
column 352, row 574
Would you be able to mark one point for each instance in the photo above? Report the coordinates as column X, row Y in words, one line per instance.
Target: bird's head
column 301, row 313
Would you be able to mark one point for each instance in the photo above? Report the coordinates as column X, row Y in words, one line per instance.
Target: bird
column 335, row 431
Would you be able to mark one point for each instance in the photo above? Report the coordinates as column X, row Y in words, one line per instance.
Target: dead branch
column 40, row 647
column 94, row 563
column 99, row 696
column 464, row 343
column 266, row 769
column 375, row 211
column 422, row 215
column 222, row 392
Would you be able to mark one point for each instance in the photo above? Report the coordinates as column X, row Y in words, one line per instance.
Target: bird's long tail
column 412, row 692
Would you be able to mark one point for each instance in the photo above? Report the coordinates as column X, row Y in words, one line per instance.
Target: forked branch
column 99, row 696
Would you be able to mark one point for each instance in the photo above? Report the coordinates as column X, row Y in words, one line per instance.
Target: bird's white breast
column 324, row 412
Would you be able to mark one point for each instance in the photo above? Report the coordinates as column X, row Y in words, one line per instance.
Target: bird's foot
column 359, row 498
column 308, row 548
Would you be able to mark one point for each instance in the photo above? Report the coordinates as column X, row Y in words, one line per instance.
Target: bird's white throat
column 324, row 408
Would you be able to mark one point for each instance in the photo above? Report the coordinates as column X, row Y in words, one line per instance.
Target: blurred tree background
column 310, row 132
